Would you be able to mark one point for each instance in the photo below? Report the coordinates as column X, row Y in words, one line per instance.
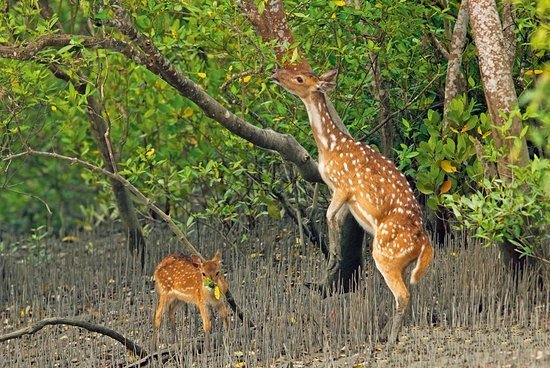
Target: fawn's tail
column 422, row 262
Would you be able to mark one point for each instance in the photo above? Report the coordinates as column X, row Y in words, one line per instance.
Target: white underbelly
column 367, row 222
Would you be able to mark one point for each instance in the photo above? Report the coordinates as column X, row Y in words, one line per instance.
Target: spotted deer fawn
column 181, row 278
column 371, row 187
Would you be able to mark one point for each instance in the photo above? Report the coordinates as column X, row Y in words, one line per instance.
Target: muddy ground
column 466, row 312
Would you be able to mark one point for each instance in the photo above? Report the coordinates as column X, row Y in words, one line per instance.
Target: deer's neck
column 325, row 131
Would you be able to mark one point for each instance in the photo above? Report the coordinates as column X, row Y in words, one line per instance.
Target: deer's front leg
column 336, row 211
column 338, row 200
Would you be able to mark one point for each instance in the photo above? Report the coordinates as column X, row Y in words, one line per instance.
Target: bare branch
column 32, row 48
column 508, row 31
column 442, row 50
column 286, row 145
column 29, row 330
column 140, row 196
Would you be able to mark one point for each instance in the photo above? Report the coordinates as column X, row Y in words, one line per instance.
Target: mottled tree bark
column 508, row 31
column 454, row 86
column 271, row 25
column 454, row 83
column 498, row 85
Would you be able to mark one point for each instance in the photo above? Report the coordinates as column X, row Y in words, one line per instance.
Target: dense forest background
column 174, row 97
column 153, row 126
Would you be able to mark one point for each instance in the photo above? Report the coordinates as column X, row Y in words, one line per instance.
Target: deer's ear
column 217, row 256
column 329, row 76
column 326, row 81
column 324, row 87
column 196, row 260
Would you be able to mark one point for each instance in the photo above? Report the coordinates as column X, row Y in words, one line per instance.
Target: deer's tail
column 422, row 262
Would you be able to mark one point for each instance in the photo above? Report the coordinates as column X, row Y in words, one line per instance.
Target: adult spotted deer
column 375, row 191
column 181, row 278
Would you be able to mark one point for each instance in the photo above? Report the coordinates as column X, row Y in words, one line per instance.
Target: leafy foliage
column 178, row 157
column 516, row 211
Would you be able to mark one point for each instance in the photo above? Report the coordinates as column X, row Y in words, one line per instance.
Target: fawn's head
column 304, row 83
column 211, row 272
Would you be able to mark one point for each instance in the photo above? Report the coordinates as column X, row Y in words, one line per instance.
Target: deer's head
column 304, row 83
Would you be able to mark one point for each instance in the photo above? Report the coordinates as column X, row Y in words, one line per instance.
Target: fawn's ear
column 326, row 81
column 196, row 260
column 217, row 256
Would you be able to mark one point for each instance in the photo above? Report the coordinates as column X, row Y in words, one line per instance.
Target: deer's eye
column 299, row 80
column 218, row 273
column 204, row 274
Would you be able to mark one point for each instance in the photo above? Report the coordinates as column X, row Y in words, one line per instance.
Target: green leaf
column 424, row 188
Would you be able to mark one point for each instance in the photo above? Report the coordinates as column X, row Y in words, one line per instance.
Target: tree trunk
column 498, row 85
column 125, row 205
column 126, row 209
column 454, row 83
column 496, row 73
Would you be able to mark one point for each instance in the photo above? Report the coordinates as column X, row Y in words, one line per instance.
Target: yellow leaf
column 479, row 130
column 445, row 187
column 54, row 108
column 150, row 152
column 69, row 239
column 488, row 133
column 217, row 293
column 333, row 16
column 453, row 130
column 531, row 72
column 239, row 364
column 464, row 128
column 202, row 75
column 188, row 112
column 247, row 79
column 447, row 166
column 340, row 3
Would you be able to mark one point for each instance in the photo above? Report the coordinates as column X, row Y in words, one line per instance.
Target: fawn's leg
column 162, row 303
column 223, row 313
column 206, row 323
column 172, row 317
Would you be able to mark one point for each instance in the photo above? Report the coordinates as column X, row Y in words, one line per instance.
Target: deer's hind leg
column 392, row 254
column 172, row 317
